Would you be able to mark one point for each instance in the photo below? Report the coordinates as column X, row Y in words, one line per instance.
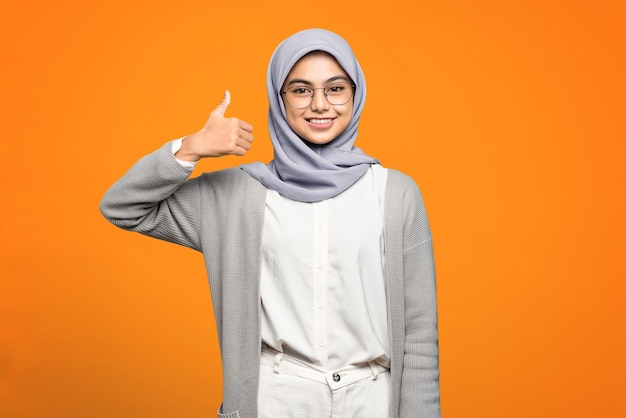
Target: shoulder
column 398, row 178
column 226, row 175
column 404, row 201
column 402, row 186
column 229, row 177
column 233, row 185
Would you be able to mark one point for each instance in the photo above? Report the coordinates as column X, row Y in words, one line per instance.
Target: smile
column 320, row 121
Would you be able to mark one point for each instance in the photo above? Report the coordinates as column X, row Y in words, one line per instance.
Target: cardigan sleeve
column 420, row 377
column 156, row 198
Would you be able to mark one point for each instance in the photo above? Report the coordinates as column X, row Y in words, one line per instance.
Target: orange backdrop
column 509, row 115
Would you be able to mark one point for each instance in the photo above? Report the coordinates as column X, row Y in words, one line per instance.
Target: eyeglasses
column 300, row 97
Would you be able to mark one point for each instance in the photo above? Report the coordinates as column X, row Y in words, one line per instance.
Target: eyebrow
column 308, row 83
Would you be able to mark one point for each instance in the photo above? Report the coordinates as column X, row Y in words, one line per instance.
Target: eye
column 301, row 91
column 335, row 88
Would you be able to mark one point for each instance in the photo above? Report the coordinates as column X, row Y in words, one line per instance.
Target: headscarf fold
column 300, row 170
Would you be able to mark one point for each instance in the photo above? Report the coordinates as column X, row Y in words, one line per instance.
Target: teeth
column 320, row 121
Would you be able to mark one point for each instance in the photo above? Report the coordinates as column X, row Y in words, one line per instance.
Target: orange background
column 509, row 115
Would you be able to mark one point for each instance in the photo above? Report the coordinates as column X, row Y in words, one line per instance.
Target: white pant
column 289, row 387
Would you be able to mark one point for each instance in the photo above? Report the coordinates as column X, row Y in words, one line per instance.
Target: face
column 320, row 122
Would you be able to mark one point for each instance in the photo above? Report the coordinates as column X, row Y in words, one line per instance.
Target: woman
column 320, row 263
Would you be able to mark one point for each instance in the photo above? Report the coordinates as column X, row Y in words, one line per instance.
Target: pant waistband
column 335, row 379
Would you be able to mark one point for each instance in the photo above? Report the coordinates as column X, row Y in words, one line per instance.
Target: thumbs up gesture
column 218, row 137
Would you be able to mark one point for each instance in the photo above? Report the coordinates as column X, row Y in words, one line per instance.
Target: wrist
column 186, row 153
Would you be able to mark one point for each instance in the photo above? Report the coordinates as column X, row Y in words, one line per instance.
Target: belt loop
column 374, row 369
column 277, row 358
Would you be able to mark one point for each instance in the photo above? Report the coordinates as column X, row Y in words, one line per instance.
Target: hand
column 220, row 136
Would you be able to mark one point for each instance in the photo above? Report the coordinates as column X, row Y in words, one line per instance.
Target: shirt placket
column 320, row 276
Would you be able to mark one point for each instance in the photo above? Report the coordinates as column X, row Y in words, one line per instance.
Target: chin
column 318, row 141
column 318, row 138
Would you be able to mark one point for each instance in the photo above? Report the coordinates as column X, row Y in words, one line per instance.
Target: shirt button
column 336, row 377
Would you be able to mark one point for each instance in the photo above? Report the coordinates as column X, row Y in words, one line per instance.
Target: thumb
column 220, row 110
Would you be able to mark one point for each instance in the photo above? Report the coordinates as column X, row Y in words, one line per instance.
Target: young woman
column 320, row 263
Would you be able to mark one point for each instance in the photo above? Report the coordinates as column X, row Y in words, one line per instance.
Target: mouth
column 320, row 122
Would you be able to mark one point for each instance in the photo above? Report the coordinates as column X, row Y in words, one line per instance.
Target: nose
column 319, row 103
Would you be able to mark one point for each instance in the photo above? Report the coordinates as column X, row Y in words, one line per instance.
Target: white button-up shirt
column 322, row 277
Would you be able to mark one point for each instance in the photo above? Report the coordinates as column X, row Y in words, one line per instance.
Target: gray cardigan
column 221, row 214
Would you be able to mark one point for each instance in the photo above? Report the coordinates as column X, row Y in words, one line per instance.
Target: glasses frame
column 352, row 85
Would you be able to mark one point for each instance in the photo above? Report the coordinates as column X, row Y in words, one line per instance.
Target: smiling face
column 320, row 122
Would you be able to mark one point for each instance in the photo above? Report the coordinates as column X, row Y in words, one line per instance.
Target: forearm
column 420, row 380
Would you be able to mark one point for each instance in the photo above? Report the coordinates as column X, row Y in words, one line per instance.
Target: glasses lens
column 338, row 93
column 300, row 97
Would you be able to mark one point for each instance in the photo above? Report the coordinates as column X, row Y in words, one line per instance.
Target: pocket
column 234, row 414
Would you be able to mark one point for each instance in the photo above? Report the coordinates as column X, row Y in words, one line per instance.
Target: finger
column 240, row 151
column 220, row 110
column 246, row 136
column 243, row 143
column 245, row 126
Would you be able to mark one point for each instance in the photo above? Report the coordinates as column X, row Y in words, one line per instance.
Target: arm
column 155, row 198
column 420, row 379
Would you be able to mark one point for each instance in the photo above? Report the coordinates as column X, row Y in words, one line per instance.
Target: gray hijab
column 300, row 170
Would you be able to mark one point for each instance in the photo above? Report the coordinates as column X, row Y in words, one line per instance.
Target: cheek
column 348, row 115
column 348, row 111
column 292, row 119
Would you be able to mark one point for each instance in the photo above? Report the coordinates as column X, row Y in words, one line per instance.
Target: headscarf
column 300, row 170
